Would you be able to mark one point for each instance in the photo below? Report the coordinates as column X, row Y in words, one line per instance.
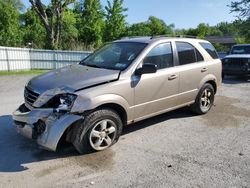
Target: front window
column 161, row 55
column 116, row 56
column 240, row 50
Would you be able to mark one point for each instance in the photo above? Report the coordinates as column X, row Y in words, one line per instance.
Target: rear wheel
column 204, row 100
column 99, row 130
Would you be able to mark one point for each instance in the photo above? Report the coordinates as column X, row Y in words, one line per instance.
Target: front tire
column 99, row 130
column 204, row 100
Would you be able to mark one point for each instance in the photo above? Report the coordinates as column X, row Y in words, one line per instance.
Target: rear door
column 192, row 70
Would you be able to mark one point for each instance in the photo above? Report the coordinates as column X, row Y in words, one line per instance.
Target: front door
column 156, row 92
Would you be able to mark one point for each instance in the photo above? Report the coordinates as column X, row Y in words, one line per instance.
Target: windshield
column 117, row 56
column 241, row 50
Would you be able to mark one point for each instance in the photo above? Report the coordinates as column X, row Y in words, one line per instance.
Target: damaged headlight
column 61, row 102
column 66, row 101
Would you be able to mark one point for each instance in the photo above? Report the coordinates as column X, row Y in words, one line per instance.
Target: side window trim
column 196, row 55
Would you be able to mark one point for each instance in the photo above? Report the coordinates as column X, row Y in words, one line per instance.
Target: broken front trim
column 46, row 126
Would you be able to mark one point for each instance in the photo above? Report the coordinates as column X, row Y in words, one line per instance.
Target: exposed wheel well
column 213, row 84
column 119, row 109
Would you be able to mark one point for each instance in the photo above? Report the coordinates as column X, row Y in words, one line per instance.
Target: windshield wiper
column 89, row 65
column 95, row 66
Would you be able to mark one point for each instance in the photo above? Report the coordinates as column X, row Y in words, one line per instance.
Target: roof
column 148, row 39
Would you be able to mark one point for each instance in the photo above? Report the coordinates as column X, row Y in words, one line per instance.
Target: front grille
column 30, row 96
column 236, row 62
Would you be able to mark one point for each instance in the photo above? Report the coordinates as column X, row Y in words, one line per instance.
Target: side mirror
column 146, row 68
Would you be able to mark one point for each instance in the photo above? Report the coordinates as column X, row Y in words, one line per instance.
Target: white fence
column 27, row 59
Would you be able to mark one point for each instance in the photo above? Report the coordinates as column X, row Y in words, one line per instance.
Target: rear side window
column 161, row 55
column 210, row 49
column 188, row 53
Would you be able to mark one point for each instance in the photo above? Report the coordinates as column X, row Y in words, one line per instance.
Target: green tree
column 227, row 28
column 115, row 24
column 159, row 27
column 69, row 32
column 33, row 30
column 139, row 29
column 242, row 8
column 10, row 34
column 90, row 23
column 244, row 31
column 153, row 26
column 51, row 17
column 203, row 30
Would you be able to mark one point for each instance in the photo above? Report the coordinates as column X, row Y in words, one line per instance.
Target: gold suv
column 123, row 82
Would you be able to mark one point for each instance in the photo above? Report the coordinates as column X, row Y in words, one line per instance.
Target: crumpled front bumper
column 43, row 125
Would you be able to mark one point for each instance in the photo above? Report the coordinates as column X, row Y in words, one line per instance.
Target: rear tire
column 204, row 100
column 99, row 130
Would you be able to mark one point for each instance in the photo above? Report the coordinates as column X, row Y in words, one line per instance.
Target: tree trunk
column 53, row 27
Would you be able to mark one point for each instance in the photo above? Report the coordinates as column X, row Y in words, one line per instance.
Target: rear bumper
column 43, row 125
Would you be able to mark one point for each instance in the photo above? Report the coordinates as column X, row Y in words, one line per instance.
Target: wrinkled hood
column 238, row 56
column 73, row 77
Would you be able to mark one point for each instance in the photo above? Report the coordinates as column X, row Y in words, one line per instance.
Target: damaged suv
column 124, row 82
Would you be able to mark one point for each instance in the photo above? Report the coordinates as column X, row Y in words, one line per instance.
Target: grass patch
column 23, row 72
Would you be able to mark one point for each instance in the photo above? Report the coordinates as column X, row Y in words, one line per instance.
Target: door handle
column 172, row 77
column 204, row 69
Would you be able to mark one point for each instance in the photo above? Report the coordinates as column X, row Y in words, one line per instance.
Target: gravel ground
column 176, row 149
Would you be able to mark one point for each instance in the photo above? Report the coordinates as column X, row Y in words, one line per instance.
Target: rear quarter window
column 210, row 49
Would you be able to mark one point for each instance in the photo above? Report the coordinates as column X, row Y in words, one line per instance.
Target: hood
column 238, row 56
column 74, row 77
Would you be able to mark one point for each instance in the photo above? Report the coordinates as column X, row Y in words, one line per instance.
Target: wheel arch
column 210, row 79
column 213, row 83
column 117, row 108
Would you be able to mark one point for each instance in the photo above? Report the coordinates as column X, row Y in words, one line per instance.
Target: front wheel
column 99, row 130
column 204, row 100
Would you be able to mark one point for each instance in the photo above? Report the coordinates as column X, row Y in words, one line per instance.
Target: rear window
column 210, row 49
column 188, row 53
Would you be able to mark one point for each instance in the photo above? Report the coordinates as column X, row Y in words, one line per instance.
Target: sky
column 182, row 13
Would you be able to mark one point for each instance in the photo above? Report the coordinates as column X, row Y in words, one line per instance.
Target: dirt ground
column 176, row 149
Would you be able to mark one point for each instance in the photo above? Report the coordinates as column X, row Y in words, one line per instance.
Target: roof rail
column 171, row 36
column 187, row 36
column 159, row 36
column 131, row 37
